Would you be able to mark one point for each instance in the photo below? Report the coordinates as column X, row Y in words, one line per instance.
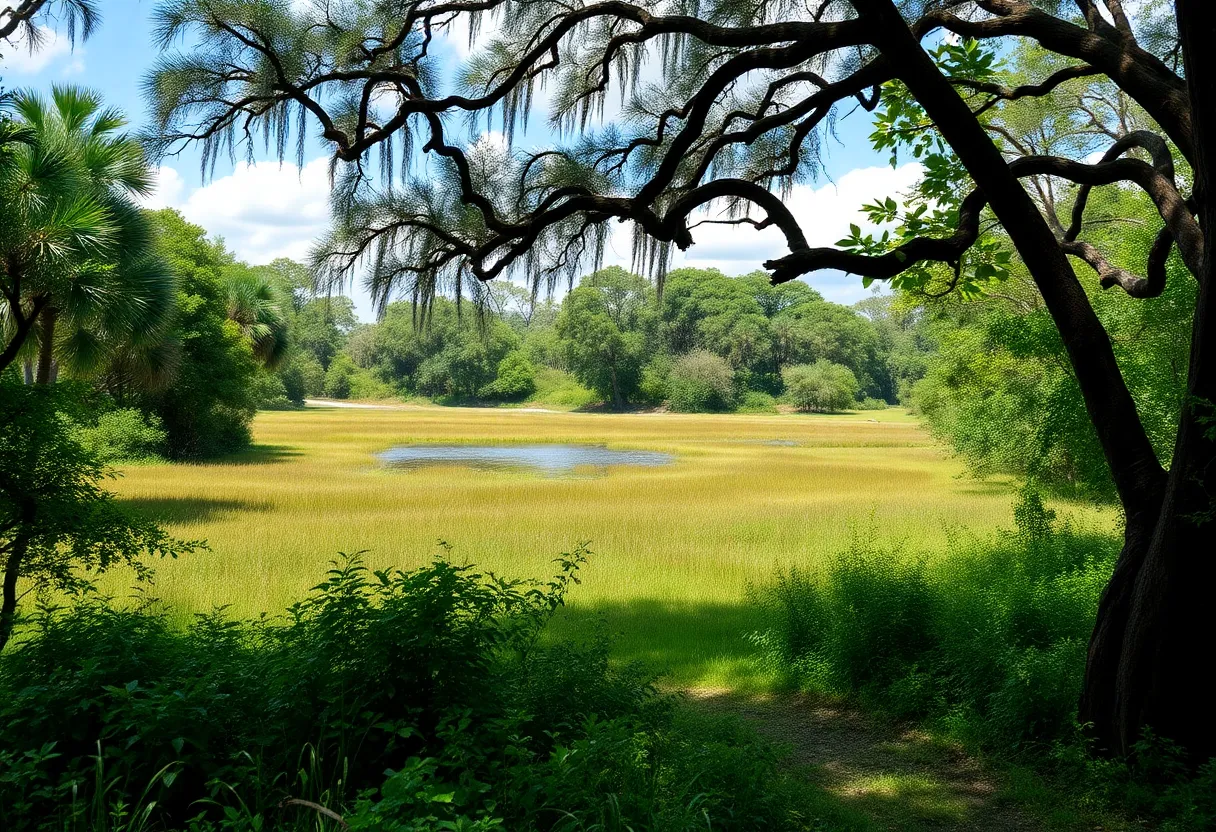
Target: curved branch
column 885, row 266
column 1143, row 76
column 1110, row 275
column 1000, row 92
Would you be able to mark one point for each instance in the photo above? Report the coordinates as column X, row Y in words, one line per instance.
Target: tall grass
column 680, row 542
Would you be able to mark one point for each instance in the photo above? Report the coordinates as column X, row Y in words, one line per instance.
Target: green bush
column 270, row 393
column 871, row 404
column 125, row 435
column 516, row 378
column 822, row 386
column 701, row 382
column 654, row 387
column 996, row 635
column 557, row 388
column 302, row 376
column 989, row 643
column 757, row 401
column 419, row 700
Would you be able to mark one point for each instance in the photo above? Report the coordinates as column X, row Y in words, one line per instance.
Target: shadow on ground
column 686, row 644
column 893, row 776
column 258, row 454
column 189, row 509
column 896, row 775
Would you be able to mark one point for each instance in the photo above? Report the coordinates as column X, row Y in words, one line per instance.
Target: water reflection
column 547, row 459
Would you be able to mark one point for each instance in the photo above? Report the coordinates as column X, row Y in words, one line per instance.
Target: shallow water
column 547, row 459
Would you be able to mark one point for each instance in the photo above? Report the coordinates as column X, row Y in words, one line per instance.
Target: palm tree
column 258, row 307
column 75, row 247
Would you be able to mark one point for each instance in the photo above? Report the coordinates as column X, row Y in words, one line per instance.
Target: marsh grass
column 674, row 546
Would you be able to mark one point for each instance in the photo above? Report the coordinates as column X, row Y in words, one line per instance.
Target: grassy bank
column 675, row 546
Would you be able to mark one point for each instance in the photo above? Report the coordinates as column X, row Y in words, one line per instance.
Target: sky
column 271, row 209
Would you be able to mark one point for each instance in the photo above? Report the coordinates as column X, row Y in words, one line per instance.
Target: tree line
column 708, row 342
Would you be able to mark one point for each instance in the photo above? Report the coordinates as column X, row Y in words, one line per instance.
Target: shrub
column 415, row 700
column 302, row 376
column 557, row 388
column 701, row 381
column 338, row 377
column 516, row 378
column 822, row 386
column 654, row 387
column 125, row 435
column 995, row 634
column 870, row 403
column 270, row 393
column 757, row 401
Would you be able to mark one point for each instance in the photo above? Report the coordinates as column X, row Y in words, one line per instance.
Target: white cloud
column 263, row 211
column 824, row 213
column 53, row 47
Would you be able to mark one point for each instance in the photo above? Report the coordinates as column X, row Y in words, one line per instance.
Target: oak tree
column 724, row 104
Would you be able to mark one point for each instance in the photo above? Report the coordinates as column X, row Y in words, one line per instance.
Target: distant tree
column 294, row 280
column 321, row 325
column 57, row 523
column 452, row 353
column 703, row 309
column 515, row 380
column 822, row 386
column 812, row 332
column 604, row 325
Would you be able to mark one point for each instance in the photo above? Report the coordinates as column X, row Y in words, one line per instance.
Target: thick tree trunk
column 46, row 346
column 1144, row 669
column 1146, row 665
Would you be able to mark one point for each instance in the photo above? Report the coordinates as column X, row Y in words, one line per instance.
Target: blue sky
column 271, row 210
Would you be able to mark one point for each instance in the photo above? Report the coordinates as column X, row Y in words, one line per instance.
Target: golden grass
column 674, row 546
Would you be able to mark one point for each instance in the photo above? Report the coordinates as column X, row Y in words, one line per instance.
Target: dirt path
column 899, row 776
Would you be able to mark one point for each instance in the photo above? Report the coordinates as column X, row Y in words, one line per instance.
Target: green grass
column 675, row 547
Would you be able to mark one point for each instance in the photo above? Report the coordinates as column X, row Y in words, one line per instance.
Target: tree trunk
column 46, row 346
column 8, row 596
column 1146, row 665
column 618, row 401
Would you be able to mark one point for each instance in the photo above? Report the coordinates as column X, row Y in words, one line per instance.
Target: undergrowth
column 988, row 644
column 390, row 700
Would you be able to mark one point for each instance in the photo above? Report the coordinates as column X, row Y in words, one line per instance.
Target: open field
column 675, row 546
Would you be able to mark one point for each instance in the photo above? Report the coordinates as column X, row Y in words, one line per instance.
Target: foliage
column 995, row 634
column 701, row 382
column 448, row 354
column 516, row 378
column 256, row 304
column 604, row 326
column 75, row 247
column 401, row 700
column 124, row 435
column 207, row 406
column 997, row 389
column 56, row 521
column 822, row 386
column 987, row 641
